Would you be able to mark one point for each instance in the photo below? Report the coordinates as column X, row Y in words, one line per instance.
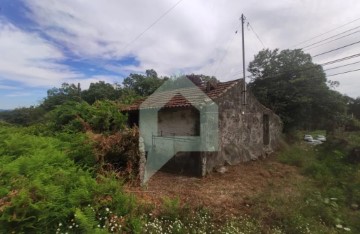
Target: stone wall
column 241, row 130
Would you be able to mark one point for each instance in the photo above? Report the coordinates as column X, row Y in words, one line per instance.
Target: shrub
column 42, row 186
column 119, row 152
column 102, row 116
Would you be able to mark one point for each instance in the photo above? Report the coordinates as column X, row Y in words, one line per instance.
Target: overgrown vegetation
column 64, row 169
column 289, row 83
column 41, row 186
column 328, row 201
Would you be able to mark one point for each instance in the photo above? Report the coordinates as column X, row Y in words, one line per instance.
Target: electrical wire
column 306, row 48
column 226, row 52
column 152, row 24
column 342, row 47
column 257, row 36
column 351, row 29
column 345, row 65
column 341, row 59
column 311, row 68
column 343, row 72
column 331, row 30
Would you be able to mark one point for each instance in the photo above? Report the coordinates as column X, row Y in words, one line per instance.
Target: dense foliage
column 101, row 91
column 354, row 107
column 332, row 195
column 289, row 83
column 57, row 96
column 62, row 171
column 143, row 85
column 102, row 116
column 42, row 186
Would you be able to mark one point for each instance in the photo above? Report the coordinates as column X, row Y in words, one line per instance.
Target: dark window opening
column 266, row 130
column 133, row 118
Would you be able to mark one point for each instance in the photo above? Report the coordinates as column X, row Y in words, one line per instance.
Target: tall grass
column 333, row 187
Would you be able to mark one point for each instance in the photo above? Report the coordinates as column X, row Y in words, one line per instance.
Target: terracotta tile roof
column 175, row 98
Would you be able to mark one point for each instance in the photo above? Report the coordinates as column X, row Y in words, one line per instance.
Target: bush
column 119, row 152
column 102, row 116
column 42, row 186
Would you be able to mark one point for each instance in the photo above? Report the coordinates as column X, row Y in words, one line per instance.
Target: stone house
column 245, row 132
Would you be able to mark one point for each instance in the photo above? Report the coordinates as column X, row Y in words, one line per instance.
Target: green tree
column 143, row 85
column 177, row 82
column 128, row 96
column 101, row 91
column 289, row 83
column 102, row 116
column 354, row 107
column 58, row 96
column 23, row 116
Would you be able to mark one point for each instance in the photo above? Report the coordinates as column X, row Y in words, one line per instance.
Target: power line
column 332, row 40
column 257, row 36
column 341, row 59
column 311, row 68
column 300, row 43
column 344, row 72
column 342, row 47
column 237, row 74
column 152, row 24
column 332, row 37
column 345, row 65
column 226, row 52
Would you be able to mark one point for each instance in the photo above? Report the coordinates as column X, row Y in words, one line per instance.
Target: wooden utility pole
column 243, row 55
column 79, row 91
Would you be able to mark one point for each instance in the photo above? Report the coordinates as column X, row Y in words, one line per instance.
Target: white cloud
column 30, row 60
column 19, row 94
column 193, row 37
column 8, row 87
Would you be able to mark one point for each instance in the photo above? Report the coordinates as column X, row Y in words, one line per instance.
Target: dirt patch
column 222, row 194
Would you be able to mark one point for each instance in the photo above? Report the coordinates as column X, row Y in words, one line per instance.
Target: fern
column 42, row 185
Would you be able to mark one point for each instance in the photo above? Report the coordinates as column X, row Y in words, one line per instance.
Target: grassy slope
column 326, row 200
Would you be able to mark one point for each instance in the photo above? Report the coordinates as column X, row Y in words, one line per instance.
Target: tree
column 178, row 82
column 143, row 85
column 101, row 91
column 102, row 116
column 289, row 83
column 58, row 96
column 354, row 107
column 23, row 116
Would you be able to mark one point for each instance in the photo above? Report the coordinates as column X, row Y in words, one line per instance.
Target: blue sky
column 46, row 43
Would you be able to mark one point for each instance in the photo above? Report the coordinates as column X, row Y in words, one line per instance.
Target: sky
column 44, row 43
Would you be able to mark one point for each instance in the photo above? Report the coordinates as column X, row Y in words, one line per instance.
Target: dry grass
column 221, row 194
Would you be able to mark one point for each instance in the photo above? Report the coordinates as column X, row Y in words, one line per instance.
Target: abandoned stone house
column 245, row 132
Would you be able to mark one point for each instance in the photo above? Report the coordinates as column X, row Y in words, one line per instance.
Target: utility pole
column 79, row 91
column 243, row 55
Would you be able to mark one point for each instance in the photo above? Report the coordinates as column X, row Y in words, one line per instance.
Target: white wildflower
column 339, row 226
